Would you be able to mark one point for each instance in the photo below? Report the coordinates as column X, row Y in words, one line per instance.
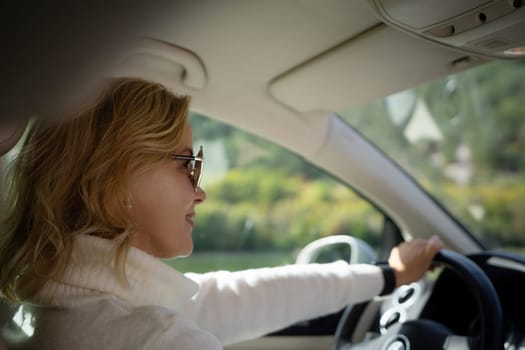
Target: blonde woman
column 97, row 200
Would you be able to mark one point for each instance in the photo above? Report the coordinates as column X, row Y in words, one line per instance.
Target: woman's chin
column 182, row 253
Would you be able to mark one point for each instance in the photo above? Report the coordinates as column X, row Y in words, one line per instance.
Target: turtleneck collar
column 91, row 272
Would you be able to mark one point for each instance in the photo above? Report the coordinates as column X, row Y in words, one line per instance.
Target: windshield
column 463, row 139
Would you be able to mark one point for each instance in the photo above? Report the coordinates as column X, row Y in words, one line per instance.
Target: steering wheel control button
column 407, row 295
column 391, row 317
column 398, row 342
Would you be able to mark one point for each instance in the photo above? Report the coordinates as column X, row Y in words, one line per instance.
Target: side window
column 265, row 203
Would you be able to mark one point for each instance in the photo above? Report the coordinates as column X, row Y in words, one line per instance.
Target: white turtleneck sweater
column 160, row 308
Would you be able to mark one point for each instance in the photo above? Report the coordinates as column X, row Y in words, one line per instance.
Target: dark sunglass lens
column 197, row 173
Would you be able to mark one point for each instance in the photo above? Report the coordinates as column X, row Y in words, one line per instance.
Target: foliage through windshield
column 254, row 190
column 463, row 139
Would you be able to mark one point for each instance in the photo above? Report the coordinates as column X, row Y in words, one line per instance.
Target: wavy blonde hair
column 72, row 177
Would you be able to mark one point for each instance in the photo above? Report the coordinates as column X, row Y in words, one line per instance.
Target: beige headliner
column 266, row 65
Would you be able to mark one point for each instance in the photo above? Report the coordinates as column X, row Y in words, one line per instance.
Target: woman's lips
column 190, row 217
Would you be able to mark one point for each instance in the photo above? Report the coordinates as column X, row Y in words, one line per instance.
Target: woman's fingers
column 410, row 260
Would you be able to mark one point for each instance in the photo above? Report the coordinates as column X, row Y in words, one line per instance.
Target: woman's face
column 163, row 205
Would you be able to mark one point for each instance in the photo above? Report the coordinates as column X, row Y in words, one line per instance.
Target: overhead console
column 487, row 28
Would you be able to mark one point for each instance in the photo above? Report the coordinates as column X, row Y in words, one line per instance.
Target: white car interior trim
column 170, row 63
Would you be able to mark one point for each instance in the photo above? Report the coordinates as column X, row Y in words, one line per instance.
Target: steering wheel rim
column 409, row 335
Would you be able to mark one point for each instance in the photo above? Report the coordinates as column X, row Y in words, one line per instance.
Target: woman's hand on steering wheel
column 410, row 260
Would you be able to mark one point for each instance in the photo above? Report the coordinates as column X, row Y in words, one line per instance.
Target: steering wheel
column 430, row 335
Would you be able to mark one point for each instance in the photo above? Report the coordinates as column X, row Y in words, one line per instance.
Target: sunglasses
column 194, row 166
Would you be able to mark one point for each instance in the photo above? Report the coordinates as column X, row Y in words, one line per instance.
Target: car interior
column 285, row 71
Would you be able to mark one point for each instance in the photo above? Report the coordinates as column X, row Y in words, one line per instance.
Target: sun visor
column 356, row 72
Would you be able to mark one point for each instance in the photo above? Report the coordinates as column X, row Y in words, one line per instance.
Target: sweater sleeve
column 237, row 306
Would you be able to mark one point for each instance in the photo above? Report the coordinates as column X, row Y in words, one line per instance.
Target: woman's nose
column 200, row 195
